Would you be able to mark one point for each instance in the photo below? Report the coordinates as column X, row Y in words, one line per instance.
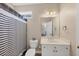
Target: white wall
column 68, row 18
column 77, row 29
column 33, row 26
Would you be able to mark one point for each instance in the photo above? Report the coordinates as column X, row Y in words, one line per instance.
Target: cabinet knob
column 44, row 46
column 55, row 47
column 56, row 51
column 67, row 48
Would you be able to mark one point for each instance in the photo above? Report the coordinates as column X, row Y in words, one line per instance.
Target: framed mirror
column 49, row 26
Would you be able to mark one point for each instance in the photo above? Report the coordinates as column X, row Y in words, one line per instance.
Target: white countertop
column 54, row 41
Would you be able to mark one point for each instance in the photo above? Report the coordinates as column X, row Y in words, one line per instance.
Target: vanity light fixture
column 49, row 13
column 52, row 13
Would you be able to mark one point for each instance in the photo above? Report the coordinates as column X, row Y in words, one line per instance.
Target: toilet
column 33, row 46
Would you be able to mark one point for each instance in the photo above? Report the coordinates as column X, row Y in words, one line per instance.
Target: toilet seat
column 30, row 52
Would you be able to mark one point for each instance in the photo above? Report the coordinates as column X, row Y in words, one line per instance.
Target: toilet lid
column 30, row 52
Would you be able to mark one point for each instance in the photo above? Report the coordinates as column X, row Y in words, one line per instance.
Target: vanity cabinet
column 55, row 50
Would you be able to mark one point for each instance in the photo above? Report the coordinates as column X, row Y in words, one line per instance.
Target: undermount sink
column 54, row 41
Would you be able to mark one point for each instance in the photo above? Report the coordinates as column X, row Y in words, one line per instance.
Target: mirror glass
column 50, row 26
column 47, row 29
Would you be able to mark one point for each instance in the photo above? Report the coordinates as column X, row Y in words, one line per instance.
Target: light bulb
column 51, row 13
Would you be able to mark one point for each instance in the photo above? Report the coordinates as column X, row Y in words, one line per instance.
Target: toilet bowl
column 33, row 46
column 30, row 52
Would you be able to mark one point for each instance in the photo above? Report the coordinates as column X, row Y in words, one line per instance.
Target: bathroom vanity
column 56, row 47
column 51, row 44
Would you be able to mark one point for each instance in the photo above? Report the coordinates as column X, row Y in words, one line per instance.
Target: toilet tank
column 33, row 43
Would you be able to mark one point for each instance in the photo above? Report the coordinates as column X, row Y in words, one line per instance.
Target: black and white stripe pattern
column 7, row 35
column 12, row 36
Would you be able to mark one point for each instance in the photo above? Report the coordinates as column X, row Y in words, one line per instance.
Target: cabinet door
column 46, row 50
column 63, row 50
column 66, row 50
